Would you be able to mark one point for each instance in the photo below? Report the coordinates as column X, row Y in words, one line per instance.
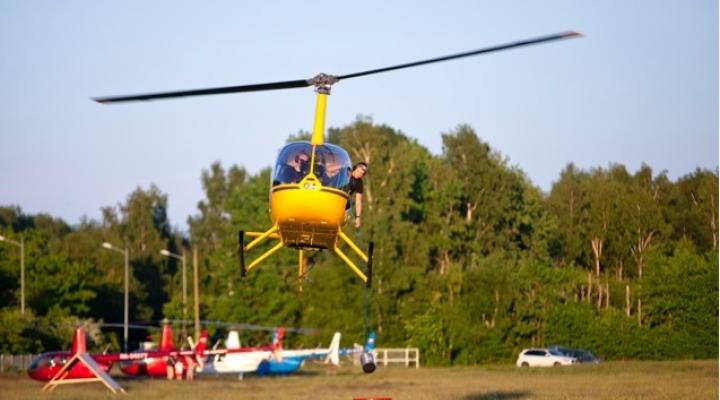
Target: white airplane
column 273, row 359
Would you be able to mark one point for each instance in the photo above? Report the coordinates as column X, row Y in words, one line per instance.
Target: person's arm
column 358, row 209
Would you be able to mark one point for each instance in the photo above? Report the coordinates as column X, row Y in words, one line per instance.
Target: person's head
column 301, row 161
column 359, row 170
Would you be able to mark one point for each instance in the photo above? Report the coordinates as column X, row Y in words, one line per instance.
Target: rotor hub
column 322, row 82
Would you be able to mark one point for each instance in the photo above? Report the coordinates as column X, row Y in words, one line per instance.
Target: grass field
column 612, row 380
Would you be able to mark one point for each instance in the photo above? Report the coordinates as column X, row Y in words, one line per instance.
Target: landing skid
column 272, row 233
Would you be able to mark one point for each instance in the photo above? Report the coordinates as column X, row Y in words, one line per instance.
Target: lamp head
column 107, row 245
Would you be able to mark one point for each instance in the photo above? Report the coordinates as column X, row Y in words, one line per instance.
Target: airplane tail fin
column 78, row 343
column 370, row 343
column 166, row 338
column 367, row 358
column 333, row 356
column 233, row 340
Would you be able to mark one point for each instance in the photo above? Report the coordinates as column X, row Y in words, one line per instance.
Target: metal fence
column 409, row 356
column 10, row 362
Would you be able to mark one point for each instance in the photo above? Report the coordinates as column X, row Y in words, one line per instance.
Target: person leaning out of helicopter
column 356, row 191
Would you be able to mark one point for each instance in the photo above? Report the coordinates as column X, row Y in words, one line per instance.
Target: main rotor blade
column 131, row 326
column 322, row 79
column 247, row 327
column 201, row 92
column 507, row 46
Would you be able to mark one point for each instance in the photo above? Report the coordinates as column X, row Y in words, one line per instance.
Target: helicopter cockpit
column 48, row 360
column 331, row 165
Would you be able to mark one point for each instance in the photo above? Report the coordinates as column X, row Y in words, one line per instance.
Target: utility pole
column 21, row 245
column 181, row 257
column 22, row 276
column 196, row 294
column 184, row 297
column 127, row 300
column 126, row 253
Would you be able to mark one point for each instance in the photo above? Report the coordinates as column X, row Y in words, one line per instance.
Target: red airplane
column 47, row 365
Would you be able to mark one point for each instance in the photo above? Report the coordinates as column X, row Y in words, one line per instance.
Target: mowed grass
column 612, row 380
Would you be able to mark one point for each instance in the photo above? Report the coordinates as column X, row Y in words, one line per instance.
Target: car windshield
column 563, row 350
column 585, row 355
column 556, row 352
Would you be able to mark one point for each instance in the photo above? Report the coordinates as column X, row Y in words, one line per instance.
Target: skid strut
column 272, row 233
column 241, row 252
column 371, row 246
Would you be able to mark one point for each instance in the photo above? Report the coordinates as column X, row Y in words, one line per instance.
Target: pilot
column 300, row 165
column 294, row 169
column 356, row 191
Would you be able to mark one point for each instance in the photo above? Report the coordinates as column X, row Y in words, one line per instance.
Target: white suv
column 543, row 358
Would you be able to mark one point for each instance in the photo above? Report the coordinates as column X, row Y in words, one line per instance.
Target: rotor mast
column 322, row 83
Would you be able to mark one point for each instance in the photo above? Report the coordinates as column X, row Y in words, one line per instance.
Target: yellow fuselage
column 307, row 214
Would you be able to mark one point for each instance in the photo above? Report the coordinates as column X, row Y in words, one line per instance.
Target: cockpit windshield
column 332, row 165
column 35, row 364
column 48, row 360
column 293, row 163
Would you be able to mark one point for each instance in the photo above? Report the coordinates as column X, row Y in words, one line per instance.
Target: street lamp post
column 125, row 252
column 180, row 257
column 21, row 245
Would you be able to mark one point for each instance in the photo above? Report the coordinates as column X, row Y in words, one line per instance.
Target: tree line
column 472, row 261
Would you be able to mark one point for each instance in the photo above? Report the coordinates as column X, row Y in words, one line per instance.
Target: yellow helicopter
column 309, row 187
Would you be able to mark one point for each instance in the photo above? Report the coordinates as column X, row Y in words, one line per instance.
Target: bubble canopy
column 332, row 165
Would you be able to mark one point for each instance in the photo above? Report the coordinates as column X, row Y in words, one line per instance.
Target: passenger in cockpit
column 331, row 170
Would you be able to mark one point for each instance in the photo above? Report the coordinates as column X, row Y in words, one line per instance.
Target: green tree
column 680, row 294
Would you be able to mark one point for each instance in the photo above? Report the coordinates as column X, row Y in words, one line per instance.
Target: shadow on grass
column 128, row 378
column 496, row 396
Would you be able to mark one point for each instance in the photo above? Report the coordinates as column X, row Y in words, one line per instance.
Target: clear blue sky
column 642, row 86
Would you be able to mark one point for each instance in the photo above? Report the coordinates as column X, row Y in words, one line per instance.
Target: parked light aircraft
column 273, row 359
column 288, row 361
column 47, row 365
column 294, row 359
